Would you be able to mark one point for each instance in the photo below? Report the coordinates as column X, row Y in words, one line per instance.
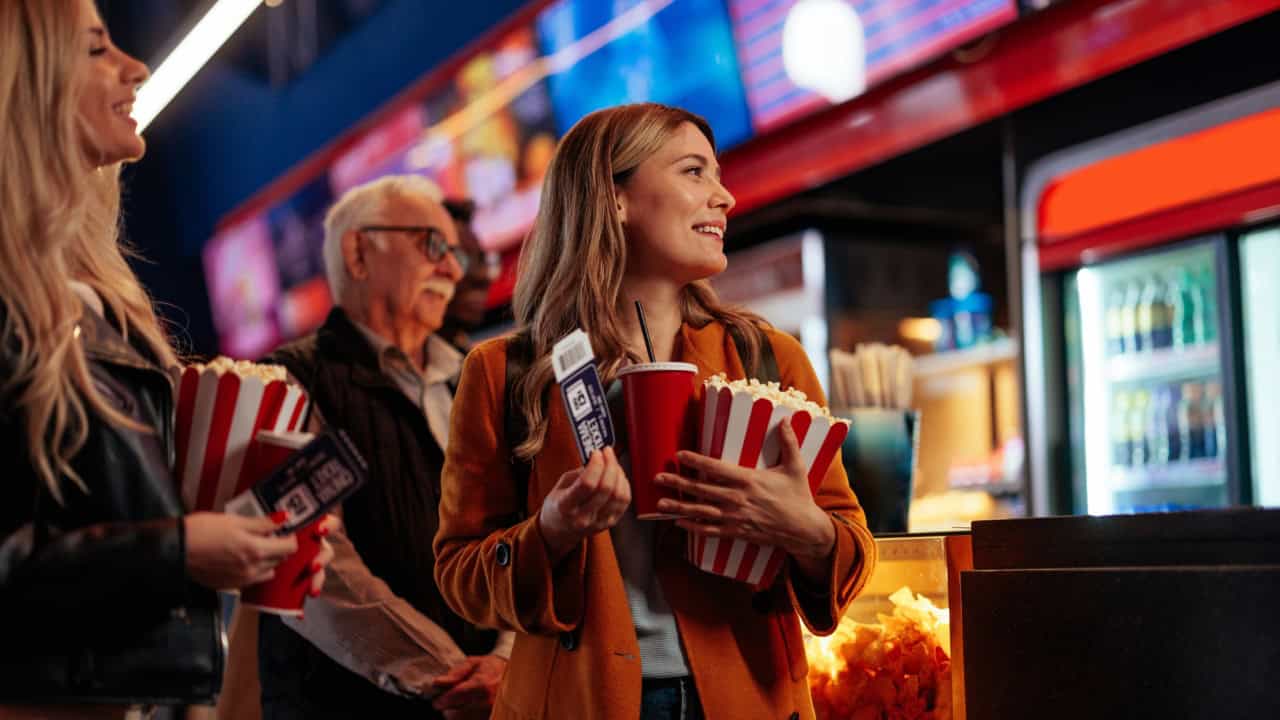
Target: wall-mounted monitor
column 678, row 52
column 799, row 56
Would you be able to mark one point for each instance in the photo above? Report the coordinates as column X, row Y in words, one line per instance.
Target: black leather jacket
column 95, row 605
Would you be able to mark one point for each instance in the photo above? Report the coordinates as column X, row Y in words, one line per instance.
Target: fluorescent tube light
column 189, row 56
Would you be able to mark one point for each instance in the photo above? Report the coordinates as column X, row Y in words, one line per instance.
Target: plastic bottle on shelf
column 1162, row 325
column 1215, row 425
column 1209, row 334
column 1140, row 449
column 1177, row 448
column 1115, row 322
column 1158, row 426
column 1188, row 310
column 1191, row 421
column 1147, row 315
column 1129, row 317
column 1121, row 445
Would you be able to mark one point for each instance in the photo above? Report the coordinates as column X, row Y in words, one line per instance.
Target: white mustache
column 441, row 287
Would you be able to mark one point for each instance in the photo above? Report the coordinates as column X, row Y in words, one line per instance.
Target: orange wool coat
column 576, row 656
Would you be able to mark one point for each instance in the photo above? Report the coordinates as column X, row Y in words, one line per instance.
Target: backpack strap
column 515, row 426
column 766, row 367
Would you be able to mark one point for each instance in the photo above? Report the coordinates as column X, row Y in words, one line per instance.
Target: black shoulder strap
column 766, row 368
column 515, row 427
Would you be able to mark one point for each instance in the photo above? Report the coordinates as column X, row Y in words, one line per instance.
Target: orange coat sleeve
column 854, row 558
column 491, row 572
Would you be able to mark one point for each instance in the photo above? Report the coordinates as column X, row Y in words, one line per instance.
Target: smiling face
column 411, row 289
column 109, row 80
column 674, row 210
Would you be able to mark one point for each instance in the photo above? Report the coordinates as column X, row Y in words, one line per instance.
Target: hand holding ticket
column 302, row 477
column 580, row 388
column 589, row 499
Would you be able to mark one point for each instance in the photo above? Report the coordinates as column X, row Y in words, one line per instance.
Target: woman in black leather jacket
column 106, row 587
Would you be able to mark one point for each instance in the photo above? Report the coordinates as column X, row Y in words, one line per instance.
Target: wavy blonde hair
column 573, row 264
column 58, row 222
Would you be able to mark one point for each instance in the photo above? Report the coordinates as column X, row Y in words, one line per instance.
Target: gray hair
column 358, row 206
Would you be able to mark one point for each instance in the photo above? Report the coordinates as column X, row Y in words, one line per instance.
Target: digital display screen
column 678, row 52
column 799, row 56
column 487, row 135
column 244, row 287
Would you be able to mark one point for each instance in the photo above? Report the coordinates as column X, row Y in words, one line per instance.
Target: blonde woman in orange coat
column 612, row 621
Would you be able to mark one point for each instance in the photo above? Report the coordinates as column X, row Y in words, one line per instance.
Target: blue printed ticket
column 583, row 395
column 314, row 479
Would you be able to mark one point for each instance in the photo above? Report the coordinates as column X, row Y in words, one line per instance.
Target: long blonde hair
column 58, row 222
column 572, row 267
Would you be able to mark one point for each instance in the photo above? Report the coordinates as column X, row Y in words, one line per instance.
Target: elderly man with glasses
column 379, row 641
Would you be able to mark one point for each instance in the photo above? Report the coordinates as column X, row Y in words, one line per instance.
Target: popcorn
column 740, row 424
column 221, row 406
column 243, row 368
column 899, row 667
column 790, row 398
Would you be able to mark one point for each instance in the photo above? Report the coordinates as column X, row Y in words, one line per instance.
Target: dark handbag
column 179, row 661
column 176, row 661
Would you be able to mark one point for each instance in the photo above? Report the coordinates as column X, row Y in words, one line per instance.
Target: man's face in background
column 468, row 306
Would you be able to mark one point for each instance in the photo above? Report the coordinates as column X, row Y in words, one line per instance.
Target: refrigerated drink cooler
column 1148, row 273
column 1146, row 378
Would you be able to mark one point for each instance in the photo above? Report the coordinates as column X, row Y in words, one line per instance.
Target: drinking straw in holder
column 644, row 330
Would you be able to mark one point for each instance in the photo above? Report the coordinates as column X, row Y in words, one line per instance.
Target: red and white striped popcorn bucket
column 218, row 415
column 743, row 428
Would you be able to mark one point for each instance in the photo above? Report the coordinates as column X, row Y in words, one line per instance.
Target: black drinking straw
column 644, row 329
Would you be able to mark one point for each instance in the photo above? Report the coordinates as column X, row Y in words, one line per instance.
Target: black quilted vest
column 393, row 519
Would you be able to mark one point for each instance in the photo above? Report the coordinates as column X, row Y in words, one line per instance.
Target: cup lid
column 659, row 367
column 293, row 440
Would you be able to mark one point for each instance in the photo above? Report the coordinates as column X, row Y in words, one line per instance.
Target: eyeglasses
column 428, row 240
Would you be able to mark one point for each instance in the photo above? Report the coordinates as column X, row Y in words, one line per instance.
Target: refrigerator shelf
column 1191, row 473
column 1163, row 364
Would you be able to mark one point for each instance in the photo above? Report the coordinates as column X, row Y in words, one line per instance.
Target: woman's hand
column 322, row 559
column 584, row 502
column 768, row 507
column 229, row 551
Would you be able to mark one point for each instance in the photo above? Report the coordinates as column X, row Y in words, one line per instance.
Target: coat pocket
column 788, row 626
column 523, row 694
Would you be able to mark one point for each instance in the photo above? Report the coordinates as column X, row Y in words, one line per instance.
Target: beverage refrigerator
column 1150, row 276
column 1147, row 384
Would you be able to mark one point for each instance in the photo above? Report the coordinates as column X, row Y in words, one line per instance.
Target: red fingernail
column 323, row 531
column 316, row 567
column 314, row 592
column 278, row 517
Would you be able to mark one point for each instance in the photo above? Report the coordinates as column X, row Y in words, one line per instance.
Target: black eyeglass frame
column 429, row 241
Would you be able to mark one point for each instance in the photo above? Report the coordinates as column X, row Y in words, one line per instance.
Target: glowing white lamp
column 824, row 49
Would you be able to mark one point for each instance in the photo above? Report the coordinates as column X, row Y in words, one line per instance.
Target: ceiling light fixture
column 189, row 56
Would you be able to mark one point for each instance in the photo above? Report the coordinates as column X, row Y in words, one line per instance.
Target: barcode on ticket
column 570, row 353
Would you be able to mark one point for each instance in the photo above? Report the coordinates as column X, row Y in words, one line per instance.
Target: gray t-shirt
column 634, row 540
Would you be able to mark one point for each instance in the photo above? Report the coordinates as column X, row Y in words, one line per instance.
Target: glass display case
column 898, row 651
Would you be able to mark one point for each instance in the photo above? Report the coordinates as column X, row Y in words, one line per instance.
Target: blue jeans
column 670, row 699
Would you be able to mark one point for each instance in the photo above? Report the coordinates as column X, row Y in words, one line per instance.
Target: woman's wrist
column 557, row 543
column 817, row 541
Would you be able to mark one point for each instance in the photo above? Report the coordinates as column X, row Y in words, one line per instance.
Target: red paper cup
column 218, row 414
column 284, row 593
column 268, row 451
column 659, row 400
column 741, row 428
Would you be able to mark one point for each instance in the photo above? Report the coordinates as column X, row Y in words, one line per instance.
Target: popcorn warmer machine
column 898, row 652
